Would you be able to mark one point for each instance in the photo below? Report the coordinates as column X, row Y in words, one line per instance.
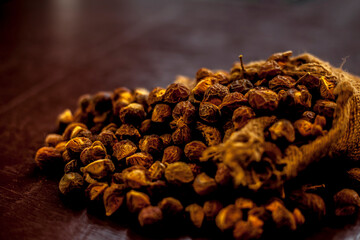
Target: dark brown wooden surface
column 51, row 52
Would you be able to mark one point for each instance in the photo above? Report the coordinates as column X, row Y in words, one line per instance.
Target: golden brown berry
column 142, row 158
column 47, row 157
column 151, row 144
column 53, row 139
column 178, row 173
column 209, row 112
column 149, row 216
column 196, row 214
column 176, row 92
column 204, row 185
column 127, row 131
column 136, row 201
column 215, row 94
column 113, row 198
column 170, row 206
column 263, row 99
column 203, row 73
column 156, row 96
column 241, row 116
column 227, row 217
column 71, row 183
column 124, row 149
column 133, row 113
column 157, row 170
column 185, row 111
column 161, row 113
column 269, row 69
column 94, row 152
column 172, row 154
column 135, row 177
column 193, row 150
column 231, row 102
column 76, row 145
column 211, row 209
column 325, row 108
column 211, row 134
column 282, row 129
column 241, row 86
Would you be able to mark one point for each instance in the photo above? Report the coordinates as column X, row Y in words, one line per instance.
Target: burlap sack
column 246, row 145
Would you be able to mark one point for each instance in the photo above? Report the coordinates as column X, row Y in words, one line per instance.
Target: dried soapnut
column 99, row 168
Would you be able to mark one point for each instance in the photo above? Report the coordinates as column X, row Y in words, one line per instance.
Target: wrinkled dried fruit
column 135, row 177
column 209, row 112
column 241, row 86
column 244, row 203
column 325, row 108
column 151, row 144
column 53, row 139
column 161, row 113
column 247, row 230
column 310, row 81
column 133, row 113
column 215, row 94
column 282, row 129
column 107, row 138
column 166, row 138
column 184, row 110
column 299, row 217
column 124, row 149
column 76, row 145
column 149, row 216
column 211, row 134
column 196, row 214
column 204, row 185
column 347, row 202
column 193, row 150
column 157, row 170
column 94, row 190
column 172, row 154
column 156, row 96
column 127, row 131
column 223, row 176
column 178, row 173
column 310, row 204
column 241, row 116
column 231, row 102
column 199, row 90
column 80, row 132
column 227, row 217
column 281, row 82
column 176, row 92
column 71, row 183
column 304, row 127
column 99, row 168
column 211, row 209
column 136, row 201
column 269, row 69
column 170, row 206
column 71, row 166
column 94, row 152
column 203, row 73
column 181, row 135
column 262, row 99
column 142, row 158
column 47, row 156
column 113, row 198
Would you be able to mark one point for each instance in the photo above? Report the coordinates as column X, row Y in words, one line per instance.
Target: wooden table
column 51, row 52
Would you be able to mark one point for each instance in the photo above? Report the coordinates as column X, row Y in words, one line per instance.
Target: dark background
column 51, row 52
